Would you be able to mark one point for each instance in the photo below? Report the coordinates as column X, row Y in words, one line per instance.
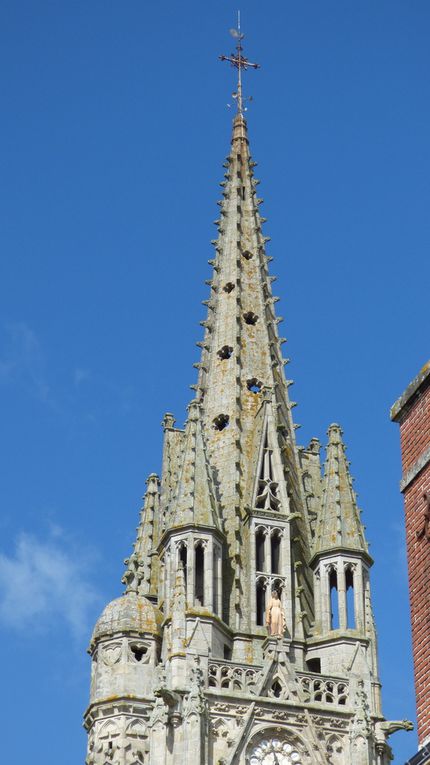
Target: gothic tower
column 245, row 633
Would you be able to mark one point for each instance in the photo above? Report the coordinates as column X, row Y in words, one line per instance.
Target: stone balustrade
column 229, row 676
column 312, row 688
column 323, row 689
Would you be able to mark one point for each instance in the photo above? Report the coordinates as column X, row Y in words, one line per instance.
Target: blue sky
column 114, row 129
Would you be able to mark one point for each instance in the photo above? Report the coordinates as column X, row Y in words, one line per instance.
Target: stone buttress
column 183, row 666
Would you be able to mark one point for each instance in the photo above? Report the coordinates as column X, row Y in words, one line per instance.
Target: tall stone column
column 317, row 600
column 325, row 599
column 209, row 574
column 359, row 596
column 341, row 594
column 267, row 552
column 191, row 568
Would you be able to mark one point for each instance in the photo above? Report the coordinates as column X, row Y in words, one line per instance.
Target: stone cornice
column 416, row 468
column 347, row 552
column 414, row 389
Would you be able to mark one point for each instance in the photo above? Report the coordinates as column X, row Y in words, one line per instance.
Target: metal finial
column 239, row 61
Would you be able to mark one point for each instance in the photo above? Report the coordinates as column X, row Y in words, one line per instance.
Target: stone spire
column 195, row 501
column 141, row 573
column 339, row 525
column 241, row 351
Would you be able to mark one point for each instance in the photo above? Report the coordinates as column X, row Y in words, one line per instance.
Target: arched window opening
column 350, row 608
column 199, row 575
column 261, row 603
column 259, row 550
column 275, row 547
column 334, row 601
column 183, row 562
column 276, row 689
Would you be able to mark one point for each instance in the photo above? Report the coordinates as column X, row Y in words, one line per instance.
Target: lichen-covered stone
column 129, row 613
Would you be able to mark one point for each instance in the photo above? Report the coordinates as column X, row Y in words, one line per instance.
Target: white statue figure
column 275, row 615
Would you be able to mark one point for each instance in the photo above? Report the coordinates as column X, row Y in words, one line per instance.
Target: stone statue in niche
column 275, row 616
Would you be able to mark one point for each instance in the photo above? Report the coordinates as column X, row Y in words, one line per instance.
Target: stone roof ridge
column 195, row 498
column 339, row 525
column 137, row 576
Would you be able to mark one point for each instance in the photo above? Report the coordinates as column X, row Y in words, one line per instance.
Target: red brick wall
column 415, row 439
column 415, row 430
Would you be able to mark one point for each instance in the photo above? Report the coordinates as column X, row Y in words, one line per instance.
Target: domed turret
column 132, row 614
column 125, row 648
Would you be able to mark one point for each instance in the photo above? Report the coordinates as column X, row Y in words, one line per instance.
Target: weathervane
column 239, row 61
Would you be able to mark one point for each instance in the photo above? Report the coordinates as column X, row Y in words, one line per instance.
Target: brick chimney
column 412, row 412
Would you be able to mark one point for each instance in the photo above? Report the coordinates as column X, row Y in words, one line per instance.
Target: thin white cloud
column 400, row 537
column 24, row 365
column 43, row 582
column 23, row 361
column 80, row 376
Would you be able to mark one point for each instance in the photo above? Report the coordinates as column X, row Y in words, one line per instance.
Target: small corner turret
column 344, row 632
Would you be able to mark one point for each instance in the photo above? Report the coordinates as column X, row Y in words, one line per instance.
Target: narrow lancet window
column 334, row 601
column 199, row 575
column 183, row 562
column 275, row 547
column 215, row 581
column 261, row 603
column 259, row 550
column 350, row 608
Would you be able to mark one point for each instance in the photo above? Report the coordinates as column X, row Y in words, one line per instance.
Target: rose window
column 274, row 752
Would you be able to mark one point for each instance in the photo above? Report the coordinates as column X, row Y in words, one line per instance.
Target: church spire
column 339, row 525
column 241, row 351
